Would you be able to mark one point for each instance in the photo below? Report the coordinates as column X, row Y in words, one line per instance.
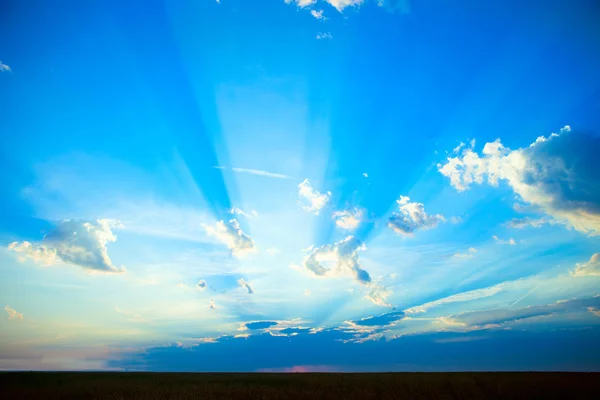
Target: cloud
column 520, row 223
column 272, row 251
column 348, row 219
column 377, row 294
column 12, row 313
column 232, row 235
column 365, row 175
column 455, row 220
column 558, row 174
column 4, row 67
column 74, row 242
column 212, row 305
column 311, row 200
column 412, row 217
column 201, row 285
column 589, row 268
column 301, row 3
column 318, row 14
column 468, row 254
column 324, row 35
column 510, row 241
column 459, row 297
column 594, row 311
column 235, row 210
column 338, row 259
column 245, row 284
column 257, row 172
column 260, row 324
column 341, row 4
column 381, row 320
column 509, row 315
column 130, row 315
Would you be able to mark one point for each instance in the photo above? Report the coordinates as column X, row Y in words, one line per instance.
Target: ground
column 83, row 385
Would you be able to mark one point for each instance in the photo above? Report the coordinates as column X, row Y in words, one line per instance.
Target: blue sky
column 289, row 185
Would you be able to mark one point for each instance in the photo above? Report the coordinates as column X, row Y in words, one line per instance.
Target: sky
column 297, row 185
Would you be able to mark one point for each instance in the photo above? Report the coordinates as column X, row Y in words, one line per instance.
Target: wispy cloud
column 232, row 235
column 256, row 172
column 130, row 315
column 242, row 282
column 510, row 241
column 4, row 67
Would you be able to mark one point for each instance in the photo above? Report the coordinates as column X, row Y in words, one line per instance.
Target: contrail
column 526, row 294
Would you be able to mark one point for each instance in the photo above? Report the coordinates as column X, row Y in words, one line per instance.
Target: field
column 70, row 385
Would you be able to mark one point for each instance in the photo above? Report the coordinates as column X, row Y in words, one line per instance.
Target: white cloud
column 201, row 285
column 130, row 315
column 468, row 254
column 301, row 3
column 348, row 219
column 338, row 259
column 212, row 305
column 4, row 67
column 312, row 200
column 520, row 223
column 318, row 14
column 241, row 282
column 455, row 220
column 12, row 313
column 365, row 175
column 378, row 295
column 510, row 241
column 257, row 172
column 589, row 268
column 74, row 242
column 324, row 35
column 272, row 251
column 559, row 175
column 341, row 4
column 412, row 217
column 459, row 297
column 232, row 235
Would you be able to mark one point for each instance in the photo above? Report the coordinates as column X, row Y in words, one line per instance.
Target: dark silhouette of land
column 313, row 386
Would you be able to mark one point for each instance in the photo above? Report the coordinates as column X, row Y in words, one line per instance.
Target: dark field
column 57, row 385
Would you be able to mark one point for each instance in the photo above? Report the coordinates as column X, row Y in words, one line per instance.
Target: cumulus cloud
column 4, row 67
column 318, row 14
column 412, row 217
column 341, row 4
column 241, row 282
column 300, row 3
column 348, row 219
column 589, row 268
column 12, row 313
column 311, row 200
column 232, row 235
column 201, row 285
column 79, row 243
column 558, row 174
column 324, row 35
column 338, row 259
column 510, row 241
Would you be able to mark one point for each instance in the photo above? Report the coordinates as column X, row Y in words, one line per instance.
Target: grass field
column 59, row 385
